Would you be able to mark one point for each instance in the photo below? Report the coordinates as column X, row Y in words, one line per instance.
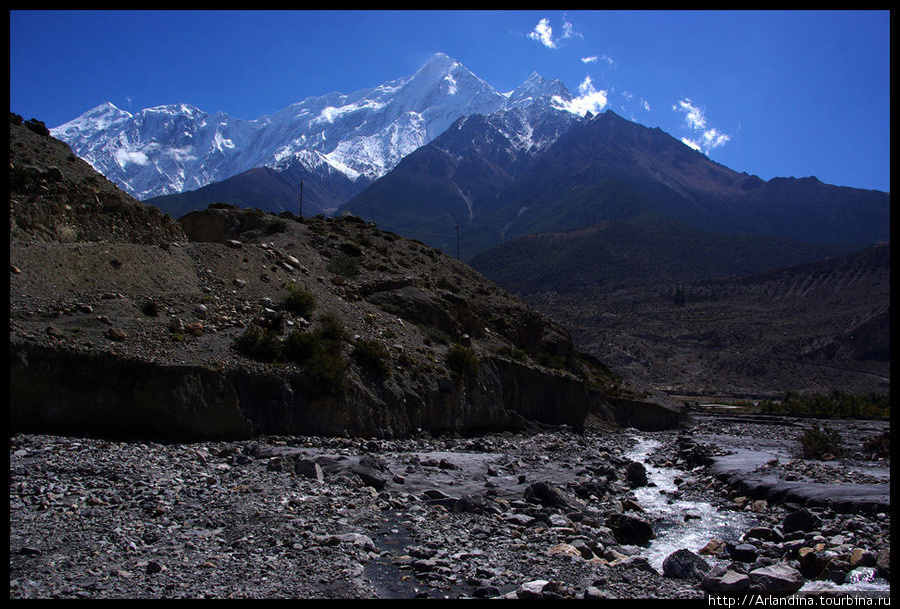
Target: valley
column 811, row 328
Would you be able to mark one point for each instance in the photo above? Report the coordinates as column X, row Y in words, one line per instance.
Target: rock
column 116, row 334
column 764, row 533
column 629, row 505
column 437, row 497
column 547, row 494
column 372, row 478
column 363, row 542
column 636, row 474
column 721, row 581
column 779, row 579
column 684, row 564
column 715, row 547
column 744, row 552
column 308, row 469
column 800, row 520
column 532, row 589
column 883, row 562
column 475, row 504
column 564, row 549
column 629, row 530
column 862, row 558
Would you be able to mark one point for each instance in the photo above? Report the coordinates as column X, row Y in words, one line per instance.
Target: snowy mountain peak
column 176, row 147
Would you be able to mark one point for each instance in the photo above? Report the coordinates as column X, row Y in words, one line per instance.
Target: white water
column 668, row 515
column 673, row 533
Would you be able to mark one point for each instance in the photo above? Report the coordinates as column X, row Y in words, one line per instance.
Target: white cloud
column 645, row 104
column 543, row 33
column 692, row 144
column 695, row 119
column 569, row 30
column 591, row 59
column 713, row 139
column 123, row 157
column 693, row 115
column 589, row 99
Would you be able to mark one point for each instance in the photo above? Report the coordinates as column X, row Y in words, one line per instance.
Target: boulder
column 630, row 530
column 744, row 552
column 777, row 579
column 722, row 581
column 636, row 474
column 714, row 547
column 800, row 520
column 684, row 564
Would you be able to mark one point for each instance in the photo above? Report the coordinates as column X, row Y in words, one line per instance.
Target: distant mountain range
column 601, row 169
column 443, row 157
column 340, row 142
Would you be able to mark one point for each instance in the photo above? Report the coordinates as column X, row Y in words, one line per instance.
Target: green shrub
column 150, row 308
column 462, row 360
column 878, row 446
column 555, row 362
column 344, row 265
column 434, row 334
column 258, row 344
column 819, row 440
column 373, row 356
column 299, row 300
column 512, row 353
column 837, row 403
column 319, row 355
column 277, row 225
column 331, row 327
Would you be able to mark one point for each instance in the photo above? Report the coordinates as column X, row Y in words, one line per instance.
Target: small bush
column 555, row 362
column 150, row 308
column 344, row 265
column 517, row 355
column 818, row 441
column 299, row 300
column 277, row 225
column 878, row 446
column 258, row 344
column 462, row 360
column 331, row 327
column 319, row 355
column 373, row 356
column 434, row 334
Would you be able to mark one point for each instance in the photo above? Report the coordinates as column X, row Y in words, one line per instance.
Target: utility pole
column 301, row 198
column 457, row 240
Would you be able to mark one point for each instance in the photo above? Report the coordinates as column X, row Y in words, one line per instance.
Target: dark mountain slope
column 638, row 248
column 460, row 175
column 609, row 168
column 267, row 189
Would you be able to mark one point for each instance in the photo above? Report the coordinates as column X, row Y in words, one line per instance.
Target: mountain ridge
column 362, row 134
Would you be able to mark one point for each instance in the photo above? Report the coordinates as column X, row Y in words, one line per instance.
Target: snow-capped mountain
column 176, row 148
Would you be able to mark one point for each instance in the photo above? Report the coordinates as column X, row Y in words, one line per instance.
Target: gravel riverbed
column 545, row 514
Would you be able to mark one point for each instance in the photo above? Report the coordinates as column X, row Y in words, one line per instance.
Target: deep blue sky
column 776, row 93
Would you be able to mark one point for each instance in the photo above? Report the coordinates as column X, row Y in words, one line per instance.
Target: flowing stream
column 674, row 531
column 679, row 523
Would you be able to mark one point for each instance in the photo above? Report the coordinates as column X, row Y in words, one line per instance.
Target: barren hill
column 237, row 322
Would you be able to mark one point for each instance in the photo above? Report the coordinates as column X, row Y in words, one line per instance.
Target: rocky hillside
column 811, row 328
column 57, row 197
column 248, row 323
